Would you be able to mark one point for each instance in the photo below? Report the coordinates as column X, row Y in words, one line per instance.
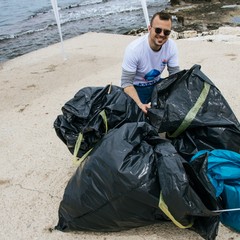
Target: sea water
column 28, row 25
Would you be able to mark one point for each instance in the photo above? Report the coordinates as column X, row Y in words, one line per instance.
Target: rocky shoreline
column 191, row 18
column 205, row 16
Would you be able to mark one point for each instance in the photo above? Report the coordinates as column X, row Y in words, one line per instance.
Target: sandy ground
column 36, row 165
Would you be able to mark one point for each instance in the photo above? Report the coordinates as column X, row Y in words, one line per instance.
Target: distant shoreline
column 224, row 30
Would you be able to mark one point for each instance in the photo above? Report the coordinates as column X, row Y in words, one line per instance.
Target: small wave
column 78, row 15
column 39, row 12
column 77, row 5
column 81, row 8
column 49, row 9
column 6, row 37
column 34, row 31
column 29, row 32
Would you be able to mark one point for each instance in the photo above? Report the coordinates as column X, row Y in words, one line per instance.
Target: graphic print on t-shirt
column 150, row 78
column 152, row 75
column 164, row 62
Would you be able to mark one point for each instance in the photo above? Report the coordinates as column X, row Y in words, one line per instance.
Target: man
column 145, row 59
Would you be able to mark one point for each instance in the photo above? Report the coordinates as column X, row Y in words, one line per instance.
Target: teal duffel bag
column 223, row 170
column 231, row 194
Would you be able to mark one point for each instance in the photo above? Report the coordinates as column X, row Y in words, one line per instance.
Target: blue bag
column 224, row 174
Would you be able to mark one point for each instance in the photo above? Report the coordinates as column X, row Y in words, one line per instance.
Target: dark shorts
column 144, row 93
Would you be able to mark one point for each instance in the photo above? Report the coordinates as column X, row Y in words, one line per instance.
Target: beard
column 160, row 40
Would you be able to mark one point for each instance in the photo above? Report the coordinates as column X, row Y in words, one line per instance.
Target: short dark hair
column 162, row 15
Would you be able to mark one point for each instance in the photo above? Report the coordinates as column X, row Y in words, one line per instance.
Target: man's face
column 162, row 27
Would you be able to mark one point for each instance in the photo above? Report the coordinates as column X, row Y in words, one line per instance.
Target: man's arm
column 173, row 61
column 127, row 84
column 173, row 70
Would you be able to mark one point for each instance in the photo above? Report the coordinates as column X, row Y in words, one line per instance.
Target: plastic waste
column 91, row 113
column 128, row 176
column 194, row 114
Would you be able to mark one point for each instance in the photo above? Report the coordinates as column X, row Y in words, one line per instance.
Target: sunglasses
column 165, row 31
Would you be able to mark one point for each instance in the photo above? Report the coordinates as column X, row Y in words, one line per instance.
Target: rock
column 174, row 35
column 137, row 32
column 175, row 2
column 228, row 31
column 188, row 34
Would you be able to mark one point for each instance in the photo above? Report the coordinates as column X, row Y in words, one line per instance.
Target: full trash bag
column 133, row 178
column 194, row 113
column 189, row 198
column 91, row 113
column 116, row 187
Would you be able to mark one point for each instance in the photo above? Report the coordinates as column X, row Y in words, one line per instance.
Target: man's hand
column 131, row 91
column 144, row 107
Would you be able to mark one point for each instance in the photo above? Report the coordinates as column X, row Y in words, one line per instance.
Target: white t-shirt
column 146, row 63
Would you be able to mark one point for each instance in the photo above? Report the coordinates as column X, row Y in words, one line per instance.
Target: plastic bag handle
column 192, row 112
column 163, row 206
column 77, row 161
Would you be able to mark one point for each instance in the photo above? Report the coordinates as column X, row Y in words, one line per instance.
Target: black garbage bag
column 187, row 196
column 193, row 112
column 207, row 138
column 119, row 186
column 91, row 113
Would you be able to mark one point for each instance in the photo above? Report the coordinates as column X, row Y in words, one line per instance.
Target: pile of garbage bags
column 128, row 176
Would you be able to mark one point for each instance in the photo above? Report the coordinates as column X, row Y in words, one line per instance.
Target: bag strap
column 192, row 112
column 77, row 161
column 162, row 205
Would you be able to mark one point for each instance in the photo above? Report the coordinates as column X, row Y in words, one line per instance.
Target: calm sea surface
column 28, row 25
